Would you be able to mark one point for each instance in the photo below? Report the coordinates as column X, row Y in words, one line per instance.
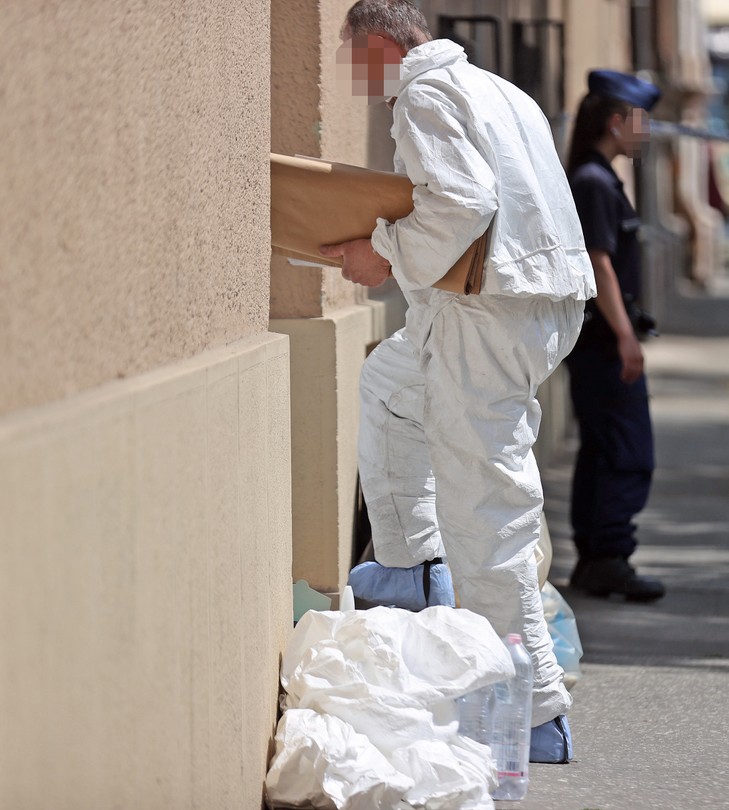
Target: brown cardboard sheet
column 315, row 202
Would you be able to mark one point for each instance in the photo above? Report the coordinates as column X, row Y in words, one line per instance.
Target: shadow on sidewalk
column 684, row 530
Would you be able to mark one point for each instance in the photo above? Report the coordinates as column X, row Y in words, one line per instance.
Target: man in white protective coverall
column 449, row 402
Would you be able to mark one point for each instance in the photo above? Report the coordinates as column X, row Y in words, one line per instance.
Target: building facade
column 178, row 414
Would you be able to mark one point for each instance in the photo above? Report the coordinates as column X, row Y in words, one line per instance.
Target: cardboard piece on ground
column 315, row 202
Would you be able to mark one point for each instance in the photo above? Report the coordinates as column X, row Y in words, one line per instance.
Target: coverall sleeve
column 455, row 195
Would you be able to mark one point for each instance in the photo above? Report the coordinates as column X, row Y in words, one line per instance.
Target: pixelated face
column 371, row 64
column 636, row 132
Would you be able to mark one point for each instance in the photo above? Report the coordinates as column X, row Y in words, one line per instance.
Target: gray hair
column 400, row 20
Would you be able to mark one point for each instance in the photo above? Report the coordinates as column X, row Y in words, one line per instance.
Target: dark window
column 537, row 48
column 479, row 36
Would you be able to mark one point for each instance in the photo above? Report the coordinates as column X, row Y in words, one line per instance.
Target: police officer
column 614, row 463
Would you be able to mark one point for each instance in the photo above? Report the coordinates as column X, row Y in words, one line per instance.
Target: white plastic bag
column 417, row 658
column 460, row 775
column 392, row 676
column 322, row 762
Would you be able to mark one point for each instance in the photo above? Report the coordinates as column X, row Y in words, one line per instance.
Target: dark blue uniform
column 615, row 461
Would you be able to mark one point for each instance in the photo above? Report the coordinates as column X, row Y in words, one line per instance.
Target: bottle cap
column 346, row 601
column 514, row 638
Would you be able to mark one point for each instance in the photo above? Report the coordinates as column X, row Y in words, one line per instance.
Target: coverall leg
column 452, row 404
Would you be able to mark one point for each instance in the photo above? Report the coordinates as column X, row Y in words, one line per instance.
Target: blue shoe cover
column 551, row 742
column 375, row 584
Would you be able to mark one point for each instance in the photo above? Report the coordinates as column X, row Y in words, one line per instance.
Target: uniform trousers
column 615, row 461
column 448, row 418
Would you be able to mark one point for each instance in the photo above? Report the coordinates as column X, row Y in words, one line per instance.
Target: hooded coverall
column 448, row 403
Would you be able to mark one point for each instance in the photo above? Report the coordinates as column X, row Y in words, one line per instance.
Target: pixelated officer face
column 636, row 133
column 371, row 64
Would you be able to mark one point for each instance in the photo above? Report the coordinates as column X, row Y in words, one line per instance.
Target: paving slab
column 651, row 714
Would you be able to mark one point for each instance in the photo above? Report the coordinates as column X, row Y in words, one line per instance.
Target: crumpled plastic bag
column 562, row 627
column 460, row 774
column 393, row 676
column 416, row 658
column 334, row 766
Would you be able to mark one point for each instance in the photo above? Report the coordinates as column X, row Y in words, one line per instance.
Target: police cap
column 624, row 87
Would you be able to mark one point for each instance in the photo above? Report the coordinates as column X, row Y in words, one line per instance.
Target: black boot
column 606, row 575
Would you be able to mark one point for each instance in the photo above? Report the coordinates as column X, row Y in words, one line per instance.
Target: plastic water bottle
column 511, row 726
column 499, row 716
column 475, row 712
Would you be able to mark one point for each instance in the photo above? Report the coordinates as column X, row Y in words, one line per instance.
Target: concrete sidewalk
column 651, row 714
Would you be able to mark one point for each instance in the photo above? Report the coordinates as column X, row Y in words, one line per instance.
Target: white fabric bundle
column 370, row 713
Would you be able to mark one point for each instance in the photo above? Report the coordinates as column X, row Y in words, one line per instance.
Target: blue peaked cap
column 623, row 86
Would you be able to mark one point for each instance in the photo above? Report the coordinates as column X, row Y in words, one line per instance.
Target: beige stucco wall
column 145, row 465
column 145, row 590
column 716, row 12
column 314, row 114
column 597, row 34
column 134, row 213
column 326, row 357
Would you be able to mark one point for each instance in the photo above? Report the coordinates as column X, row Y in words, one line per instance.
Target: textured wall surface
column 314, row 114
column 587, row 46
column 344, row 117
column 134, row 214
column 326, row 357
column 145, row 587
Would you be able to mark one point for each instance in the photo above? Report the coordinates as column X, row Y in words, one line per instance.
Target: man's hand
column 361, row 264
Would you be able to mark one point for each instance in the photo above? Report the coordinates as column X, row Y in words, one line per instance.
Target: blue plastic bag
column 562, row 627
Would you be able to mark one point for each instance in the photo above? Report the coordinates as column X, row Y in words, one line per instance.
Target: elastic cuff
column 549, row 702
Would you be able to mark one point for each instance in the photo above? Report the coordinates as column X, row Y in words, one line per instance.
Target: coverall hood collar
column 437, row 53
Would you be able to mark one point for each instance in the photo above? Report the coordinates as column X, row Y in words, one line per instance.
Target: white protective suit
column 449, row 402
